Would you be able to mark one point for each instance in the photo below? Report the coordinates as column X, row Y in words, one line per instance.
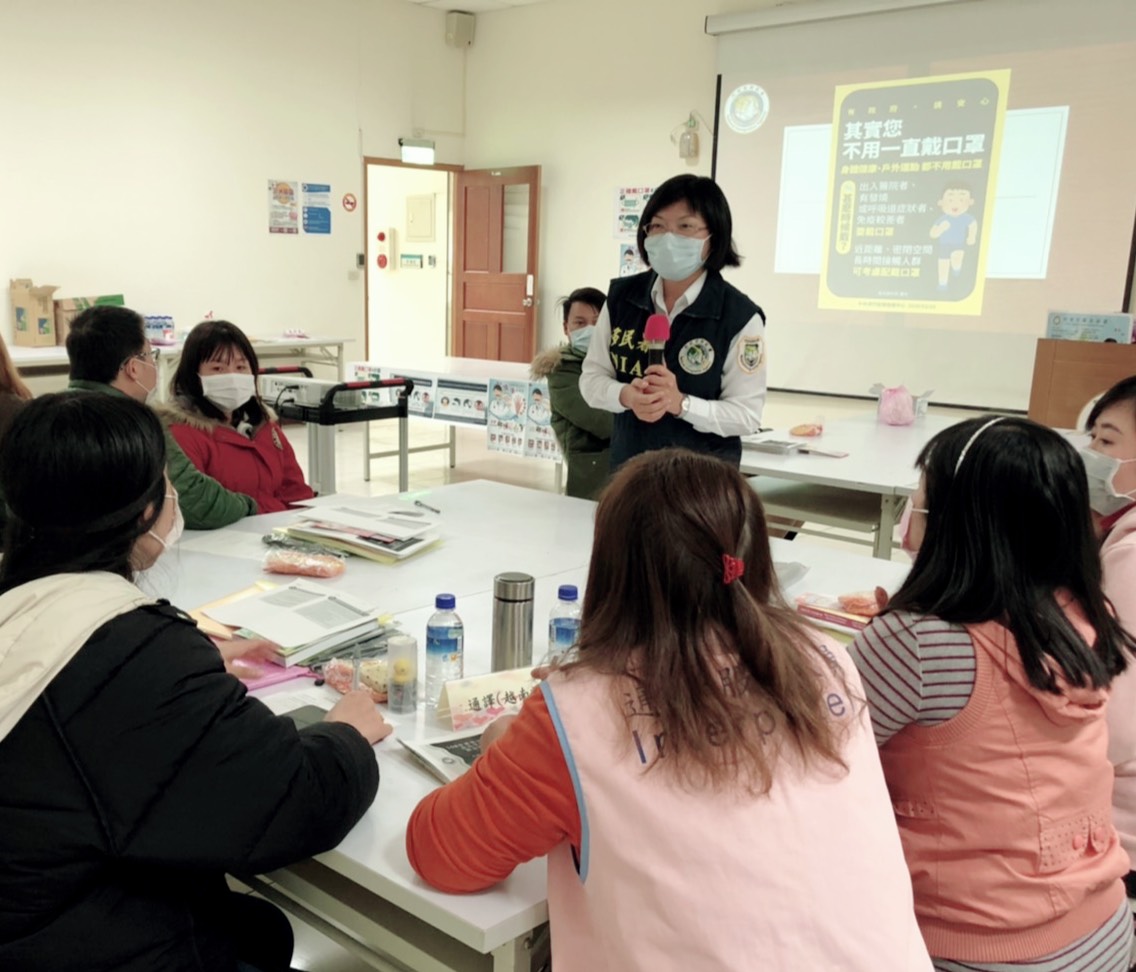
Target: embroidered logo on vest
column 626, row 338
column 696, row 356
column 750, row 354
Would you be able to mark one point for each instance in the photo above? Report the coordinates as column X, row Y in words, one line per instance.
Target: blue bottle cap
column 568, row 592
column 444, row 602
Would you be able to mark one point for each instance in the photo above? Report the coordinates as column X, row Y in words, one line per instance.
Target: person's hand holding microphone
column 660, row 382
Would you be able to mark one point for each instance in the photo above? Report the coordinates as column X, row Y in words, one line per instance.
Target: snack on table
column 831, row 611
column 297, row 562
column 339, row 672
column 807, row 430
column 863, row 603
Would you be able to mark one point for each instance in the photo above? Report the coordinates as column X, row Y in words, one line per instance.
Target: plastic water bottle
column 445, row 647
column 563, row 624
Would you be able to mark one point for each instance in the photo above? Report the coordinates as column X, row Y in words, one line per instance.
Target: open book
column 303, row 618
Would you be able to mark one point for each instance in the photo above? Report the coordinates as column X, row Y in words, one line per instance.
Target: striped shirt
column 921, row 670
column 915, row 670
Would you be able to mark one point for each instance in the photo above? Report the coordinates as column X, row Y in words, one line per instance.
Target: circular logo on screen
column 696, row 356
column 747, row 108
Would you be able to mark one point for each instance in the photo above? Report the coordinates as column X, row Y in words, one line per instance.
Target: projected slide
column 910, row 193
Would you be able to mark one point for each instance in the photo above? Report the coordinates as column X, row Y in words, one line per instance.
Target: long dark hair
column 1008, row 531
column 209, row 340
column 78, row 471
column 10, row 380
column 656, row 609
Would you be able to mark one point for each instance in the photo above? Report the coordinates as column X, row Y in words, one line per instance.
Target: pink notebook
column 258, row 673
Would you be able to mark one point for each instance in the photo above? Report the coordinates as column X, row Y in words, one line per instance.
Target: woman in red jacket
column 219, row 420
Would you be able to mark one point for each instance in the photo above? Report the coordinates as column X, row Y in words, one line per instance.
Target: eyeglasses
column 151, row 356
column 684, row 227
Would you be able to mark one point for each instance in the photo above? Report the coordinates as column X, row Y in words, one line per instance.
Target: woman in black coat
column 134, row 771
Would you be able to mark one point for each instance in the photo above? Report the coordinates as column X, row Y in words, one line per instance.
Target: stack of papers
column 305, row 620
column 385, row 531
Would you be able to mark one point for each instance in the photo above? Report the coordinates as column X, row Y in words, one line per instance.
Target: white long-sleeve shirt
column 738, row 409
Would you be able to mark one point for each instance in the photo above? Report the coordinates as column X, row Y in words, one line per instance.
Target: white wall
column 407, row 308
column 139, row 138
column 589, row 90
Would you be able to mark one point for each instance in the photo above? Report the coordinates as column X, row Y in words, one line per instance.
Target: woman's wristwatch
column 684, row 406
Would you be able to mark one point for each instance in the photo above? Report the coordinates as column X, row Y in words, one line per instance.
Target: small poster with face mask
column 630, row 201
column 630, row 263
column 540, row 440
column 508, row 407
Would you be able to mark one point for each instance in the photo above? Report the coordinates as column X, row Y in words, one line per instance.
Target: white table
column 52, row 360
column 366, row 885
column 880, row 461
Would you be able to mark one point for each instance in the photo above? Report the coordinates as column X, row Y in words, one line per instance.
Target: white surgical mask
column 580, row 339
column 176, row 529
column 1101, row 471
column 905, row 526
column 151, row 393
column 228, row 391
column 674, row 257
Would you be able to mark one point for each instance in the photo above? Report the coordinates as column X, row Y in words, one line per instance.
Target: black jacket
column 696, row 354
column 143, row 774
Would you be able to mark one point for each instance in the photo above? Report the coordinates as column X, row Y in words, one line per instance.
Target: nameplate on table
column 477, row 701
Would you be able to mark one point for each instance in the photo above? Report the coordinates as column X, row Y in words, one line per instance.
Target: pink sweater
column 1118, row 558
column 1005, row 813
column 644, row 874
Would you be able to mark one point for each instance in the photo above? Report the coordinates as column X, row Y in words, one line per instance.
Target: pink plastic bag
column 897, row 406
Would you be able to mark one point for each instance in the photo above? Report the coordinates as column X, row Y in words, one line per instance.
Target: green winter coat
column 584, row 433
column 204, row 502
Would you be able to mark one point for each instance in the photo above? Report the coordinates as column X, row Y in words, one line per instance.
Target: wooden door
column 496, row 220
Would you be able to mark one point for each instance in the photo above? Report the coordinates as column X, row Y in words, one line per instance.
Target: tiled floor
column 314, row 952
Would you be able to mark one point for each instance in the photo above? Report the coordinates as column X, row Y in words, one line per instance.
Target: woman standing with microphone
column 710, row 390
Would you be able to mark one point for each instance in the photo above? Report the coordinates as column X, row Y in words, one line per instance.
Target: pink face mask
column 905, row 526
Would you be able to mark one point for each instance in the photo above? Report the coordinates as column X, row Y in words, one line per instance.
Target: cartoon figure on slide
column 955, row 230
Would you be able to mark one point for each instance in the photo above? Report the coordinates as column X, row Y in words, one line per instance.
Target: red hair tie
column 732, row 568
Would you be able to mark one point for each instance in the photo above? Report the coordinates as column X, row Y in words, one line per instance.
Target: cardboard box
column 67, row 309
column 33, row 316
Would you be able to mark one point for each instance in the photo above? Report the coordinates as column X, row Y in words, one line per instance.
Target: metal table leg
column 366, row 452
column 321, row 458
column 403, row 450
column 889, row 507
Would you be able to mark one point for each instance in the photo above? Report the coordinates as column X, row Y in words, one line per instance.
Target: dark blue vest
column 696, row 353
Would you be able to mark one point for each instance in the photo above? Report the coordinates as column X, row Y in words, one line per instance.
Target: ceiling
column 474, row 6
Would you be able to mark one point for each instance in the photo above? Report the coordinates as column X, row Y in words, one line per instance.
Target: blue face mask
column 674, row 257
column 581, row 338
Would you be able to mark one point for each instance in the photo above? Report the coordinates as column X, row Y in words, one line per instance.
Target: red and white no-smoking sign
column 350, row 202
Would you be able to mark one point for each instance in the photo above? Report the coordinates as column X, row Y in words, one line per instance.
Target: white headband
column 970, row 441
